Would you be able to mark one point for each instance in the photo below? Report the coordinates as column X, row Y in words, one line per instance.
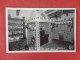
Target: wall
column 23, row 13
column 45, row 27
column 68, row 32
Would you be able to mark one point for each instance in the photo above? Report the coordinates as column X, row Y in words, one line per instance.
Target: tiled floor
column 54, row 45
column 58, row 45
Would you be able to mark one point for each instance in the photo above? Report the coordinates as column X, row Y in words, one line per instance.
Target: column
column 37, row 42
column 24, row 32
column 50, row 33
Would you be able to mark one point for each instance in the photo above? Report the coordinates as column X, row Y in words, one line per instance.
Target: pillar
column 50, row 33
column 37, row 42
column 24, row 32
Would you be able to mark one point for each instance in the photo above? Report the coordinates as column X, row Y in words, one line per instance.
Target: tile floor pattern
column 58, row 45
column 54, row 45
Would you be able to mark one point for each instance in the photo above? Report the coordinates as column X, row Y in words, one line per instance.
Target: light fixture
column 17, row 12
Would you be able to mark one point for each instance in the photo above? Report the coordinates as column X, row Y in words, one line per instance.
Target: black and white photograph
column 40, row 30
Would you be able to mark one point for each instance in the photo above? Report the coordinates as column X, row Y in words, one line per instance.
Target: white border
column 41, row 50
